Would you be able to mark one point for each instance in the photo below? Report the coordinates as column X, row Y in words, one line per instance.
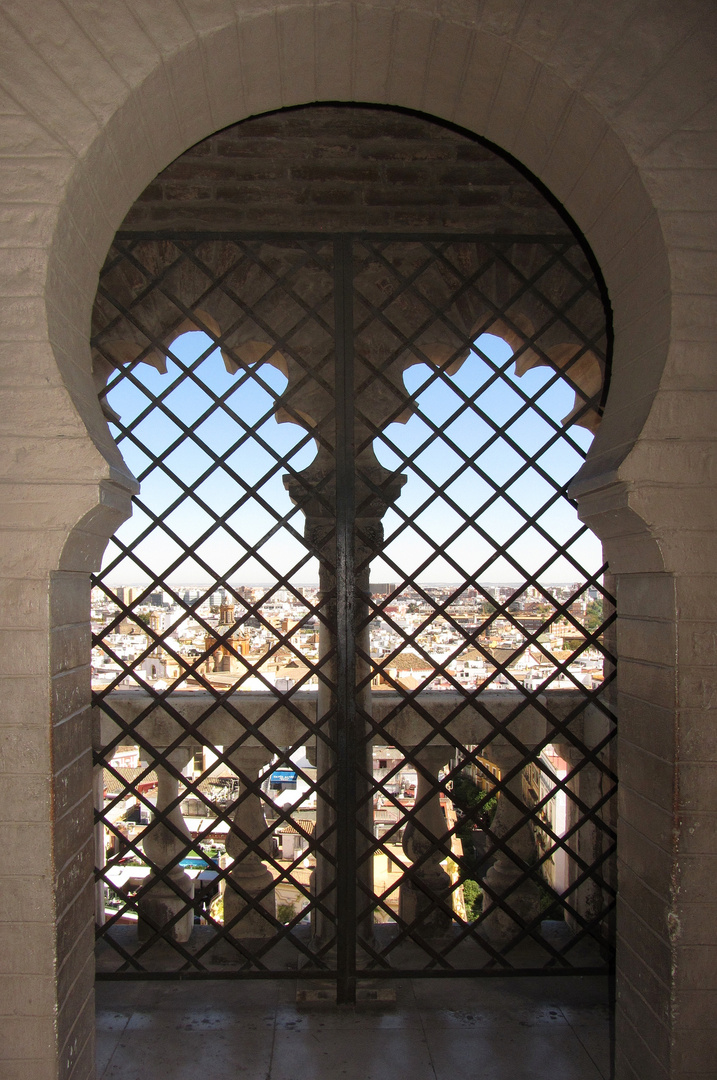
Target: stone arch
column 548, row 126
column 520, row 85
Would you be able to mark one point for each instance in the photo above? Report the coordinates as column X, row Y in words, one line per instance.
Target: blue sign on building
column 283, row 778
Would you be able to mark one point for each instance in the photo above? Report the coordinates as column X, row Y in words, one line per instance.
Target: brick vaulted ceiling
column 331, row 168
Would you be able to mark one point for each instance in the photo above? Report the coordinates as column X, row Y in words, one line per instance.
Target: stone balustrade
column 400, row 722
column 249, row 739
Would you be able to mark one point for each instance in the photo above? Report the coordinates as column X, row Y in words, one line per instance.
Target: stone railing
column 399, row 723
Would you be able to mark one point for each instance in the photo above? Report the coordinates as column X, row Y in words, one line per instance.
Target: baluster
column 414, row 904
column 497, row 924
column 247, row 870
column 161, row 845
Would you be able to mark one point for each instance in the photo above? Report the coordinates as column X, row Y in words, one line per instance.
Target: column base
column 497, row 925
column 159, row 907
column 415, row 907
column 252, row 923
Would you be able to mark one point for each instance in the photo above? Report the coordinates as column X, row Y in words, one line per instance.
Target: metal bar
column 347, row 728
column 345, row 629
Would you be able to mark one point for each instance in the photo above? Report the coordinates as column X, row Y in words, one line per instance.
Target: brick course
column 335, row 167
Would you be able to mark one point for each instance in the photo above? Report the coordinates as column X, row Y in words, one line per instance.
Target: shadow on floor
column 498, row 1029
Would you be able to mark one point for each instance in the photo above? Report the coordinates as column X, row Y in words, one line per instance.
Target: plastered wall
column 613, row 106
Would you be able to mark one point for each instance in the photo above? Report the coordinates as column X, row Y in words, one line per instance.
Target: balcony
column 273, row 858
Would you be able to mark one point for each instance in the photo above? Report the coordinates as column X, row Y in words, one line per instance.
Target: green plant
column 593, row 615
column 473, row 898
column 285, row 912
column 478, row 805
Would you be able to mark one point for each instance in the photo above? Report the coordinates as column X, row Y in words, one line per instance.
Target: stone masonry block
column 27, row 951
column 78, row 1059
column 22, row 136
column 69, row 647
column 482, row 75
column 75, row 920
column 647, row 815
column 646, row 596
column 450, row 49
column 76, row 876
column 259, row 63
column 297, row 48
column 75, row 980
column 24, row 798
column 372, row 48
column 70, row 693
column 72, row 830
column 698, row 735
column 634, row 1058
column 698, row 691
column 544, row 116
column 69, row 598
column 636, row 971
column 510, row 100
column 23, row 651
column 653, row 908
column 685, row 148
column 683, row 229
column 645, row 941
column 72, row 784
column 697, row 967
column 698, row 832
column 54, row 36
column 223, row 76
column 189, row 93
column 412, row 38
column 18, row 1031
column 697, row 786
column 693, row 1049
column 24, row 747
column 26, row 995
column 646, row 774
column 30, row 1068
column 697, row 874
column 333, row 53
column 652, row 865
column 70, row 739
column 23, row 603
column 647, row 640
column 22, row 837
column 38, row 899
column 698, row 1009
column 647, row 726
column 650, row 683
column 668, row 100
column 43, row 93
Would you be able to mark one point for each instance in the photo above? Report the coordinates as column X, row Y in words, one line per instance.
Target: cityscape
column 266, row 639
column 255, row 638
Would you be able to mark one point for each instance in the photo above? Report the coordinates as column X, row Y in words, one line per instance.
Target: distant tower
column 223, row 658
column 226, row 613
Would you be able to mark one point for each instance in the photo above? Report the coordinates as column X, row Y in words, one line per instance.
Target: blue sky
column 252, row 400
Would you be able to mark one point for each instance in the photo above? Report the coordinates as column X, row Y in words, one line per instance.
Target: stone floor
column 487, row 1029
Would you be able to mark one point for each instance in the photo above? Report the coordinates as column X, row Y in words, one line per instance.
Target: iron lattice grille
column 411, row 447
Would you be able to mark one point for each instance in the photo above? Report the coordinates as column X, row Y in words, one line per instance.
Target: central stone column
column 320, row 533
